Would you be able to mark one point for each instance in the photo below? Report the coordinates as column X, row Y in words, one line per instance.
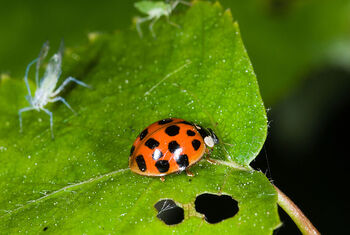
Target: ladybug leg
column 207, row 157
column 208, row 151
column 162, row 178
column 189, row 173
column 211, row 161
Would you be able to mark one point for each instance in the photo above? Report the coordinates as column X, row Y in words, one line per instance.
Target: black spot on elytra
column 216, row 208
column 191, row 133
column 173, row 145
column 196, row 144
column 152, row 143
column 162, row 166
column 141, row 163
column 165, row 121
column 45, row 228
column 169, row 212
column 172, row 130
column 132, row 150
column 143, row 134
column 186, row 122
column 182, row 161
column 157, row 154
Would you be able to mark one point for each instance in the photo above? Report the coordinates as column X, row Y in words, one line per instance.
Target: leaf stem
column 303, row 223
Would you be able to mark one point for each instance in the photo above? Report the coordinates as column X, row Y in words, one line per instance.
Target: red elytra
column 169, row 145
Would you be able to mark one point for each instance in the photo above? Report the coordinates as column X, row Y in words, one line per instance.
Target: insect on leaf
column 81, row 183
column 147, row 6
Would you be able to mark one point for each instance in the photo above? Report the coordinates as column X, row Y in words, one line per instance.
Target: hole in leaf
column 44, row 229
column 169, row 212
column 216, row 208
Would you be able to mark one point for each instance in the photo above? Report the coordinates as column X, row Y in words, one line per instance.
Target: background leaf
column 286, row 37
column 80, row 182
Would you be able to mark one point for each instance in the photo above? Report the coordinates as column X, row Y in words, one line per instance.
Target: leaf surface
column 80, row 182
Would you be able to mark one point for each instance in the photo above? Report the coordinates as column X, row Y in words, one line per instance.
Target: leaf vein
column 64, row 189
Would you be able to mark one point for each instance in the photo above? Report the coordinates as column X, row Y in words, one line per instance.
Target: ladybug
column 168, row 146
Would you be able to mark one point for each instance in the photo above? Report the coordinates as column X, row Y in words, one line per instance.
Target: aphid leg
column 65, row 83
column 151, row 26
column 139, row 21
column 51, row 121
column 189, row 173
column 20, row 116
column 172, row 23
column 26, row 78
column 175, row 3
column 185, row 3
column 59, row 98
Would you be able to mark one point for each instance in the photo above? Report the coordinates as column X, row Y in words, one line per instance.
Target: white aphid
column 45, row 88
column 155, row 10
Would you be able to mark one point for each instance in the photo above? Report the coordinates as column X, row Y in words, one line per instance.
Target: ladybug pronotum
column 168, row 146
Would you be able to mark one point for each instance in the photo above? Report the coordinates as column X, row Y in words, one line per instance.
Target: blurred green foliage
column 285, row 39
column 26, row 25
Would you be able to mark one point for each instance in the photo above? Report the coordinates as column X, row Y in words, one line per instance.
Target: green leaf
column 80, row 182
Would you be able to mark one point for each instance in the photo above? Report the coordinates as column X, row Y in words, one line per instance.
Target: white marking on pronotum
column 66, row 188
column 208, row 140
column 45, row 88
column 167, row 76
column 155, row 10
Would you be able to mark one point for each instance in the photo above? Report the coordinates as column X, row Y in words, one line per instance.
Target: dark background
column 301, row 54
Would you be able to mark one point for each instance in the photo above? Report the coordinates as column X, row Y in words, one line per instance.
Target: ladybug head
column 208, row 135
column 211, row 138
